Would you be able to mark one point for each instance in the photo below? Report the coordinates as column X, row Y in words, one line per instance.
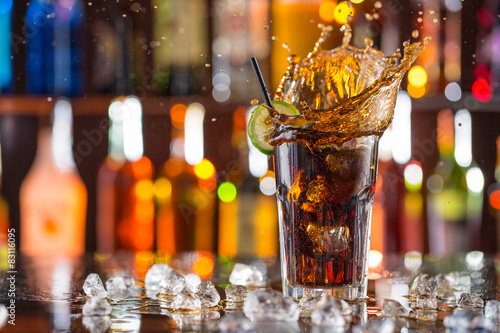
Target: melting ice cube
column 246, row 275
column 236, row 293
column 470, row 301
column 120, row 287
column 424, row 285
column 427, row 302
column 93, row 286
column 192, row 282
column 186, row 300
column 172, row 284
column 207, row 294
column 392, row 308
column 154, row 276
column 270, row 305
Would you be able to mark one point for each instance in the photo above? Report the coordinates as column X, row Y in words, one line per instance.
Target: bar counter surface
column 48, row 294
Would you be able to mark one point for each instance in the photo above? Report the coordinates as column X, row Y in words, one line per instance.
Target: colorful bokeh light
column 415, row 92
column 144, row 189
column 481, row 90
column 417, row 76
column 205, row 169
column 494, row 199
column 227, row 192
column 327, row 10
column 342, row 11
column 162, row 189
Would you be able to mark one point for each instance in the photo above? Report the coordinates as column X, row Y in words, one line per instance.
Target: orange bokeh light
column 494, row 199
column 203, row 267
column 177, row 115
column 142, row 167
column 327, row 10
column 205, row 169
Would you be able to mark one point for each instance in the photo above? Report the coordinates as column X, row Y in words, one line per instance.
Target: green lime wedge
column 261, row 126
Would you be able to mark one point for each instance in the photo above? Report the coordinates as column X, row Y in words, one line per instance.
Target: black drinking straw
column 262, row 84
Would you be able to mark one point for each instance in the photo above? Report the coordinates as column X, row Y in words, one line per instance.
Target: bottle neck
column 125, row 132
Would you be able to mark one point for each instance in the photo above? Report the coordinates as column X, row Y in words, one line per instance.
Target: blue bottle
column 54, row 42
column 5, row 46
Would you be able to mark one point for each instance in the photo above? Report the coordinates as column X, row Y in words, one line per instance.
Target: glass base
column 348, row 293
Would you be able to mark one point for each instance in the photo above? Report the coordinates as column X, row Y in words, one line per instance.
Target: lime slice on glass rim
column 261, row 126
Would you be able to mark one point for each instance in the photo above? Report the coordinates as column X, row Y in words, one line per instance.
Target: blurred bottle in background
column 112, row 51
column 54, row 43
column 6, row 75
column 185, row 191
column 181, row 49
column 125, row 206
column 248, row 216
column 494, row 199
column 53, row 198
column 474, row 179
column 240, row 31
column 454, row 189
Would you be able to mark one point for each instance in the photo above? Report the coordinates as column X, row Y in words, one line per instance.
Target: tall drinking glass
column 325, row 199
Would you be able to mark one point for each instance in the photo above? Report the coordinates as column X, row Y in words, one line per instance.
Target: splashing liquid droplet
column 254, row 102
column 344, row 93
column 435, row 20
column 376, row 16
column 377, row 5
column 415, row 33
column 369, row 17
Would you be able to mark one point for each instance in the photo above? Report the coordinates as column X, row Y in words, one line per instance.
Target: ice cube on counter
column 172, row 284
column 192, row 281
column 236, row 293
column 427, row 302
column 96, row 306
column 467, row 300
column 207, row 294
column 392, row 308
column 120, row 287
column 246, row 275
column 154, row 277
column 424, row 285
column 270, row 305
column 93, row 286
column 186, row 300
